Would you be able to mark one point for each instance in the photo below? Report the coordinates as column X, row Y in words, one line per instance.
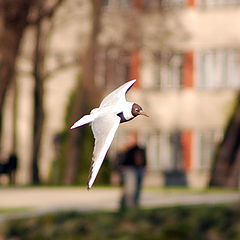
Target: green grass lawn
column 13, row 210
column 174, row 223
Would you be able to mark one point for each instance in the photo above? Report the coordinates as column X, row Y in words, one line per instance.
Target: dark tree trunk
column 42, row 26
column 38, row 116
column 13, row 21
column 226, row 168
column 87, row 96
column 15, row 111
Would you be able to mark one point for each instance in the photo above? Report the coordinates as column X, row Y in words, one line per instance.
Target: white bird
column 113, row 110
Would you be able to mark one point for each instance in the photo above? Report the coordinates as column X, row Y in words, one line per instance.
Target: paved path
column 45, row 199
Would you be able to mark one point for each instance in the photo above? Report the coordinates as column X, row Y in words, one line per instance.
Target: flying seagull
column 113, row 110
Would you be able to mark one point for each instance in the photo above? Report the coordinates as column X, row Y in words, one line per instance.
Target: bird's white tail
column 84, row 120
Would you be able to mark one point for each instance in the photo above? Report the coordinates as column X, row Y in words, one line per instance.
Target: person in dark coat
column 136, row 158
column 132, row 165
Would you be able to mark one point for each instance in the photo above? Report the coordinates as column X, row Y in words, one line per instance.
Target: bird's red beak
column 143, row 113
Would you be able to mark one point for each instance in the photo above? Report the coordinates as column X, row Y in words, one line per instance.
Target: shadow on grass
column 174, row 223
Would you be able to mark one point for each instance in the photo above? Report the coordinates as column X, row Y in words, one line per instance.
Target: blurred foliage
column 58, row 165
column 175, row 223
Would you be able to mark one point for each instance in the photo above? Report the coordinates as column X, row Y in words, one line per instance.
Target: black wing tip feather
column 131, row 85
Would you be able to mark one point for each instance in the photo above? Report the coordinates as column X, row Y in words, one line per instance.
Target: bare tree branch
column 45, row 13
column 53, row 71
column 61, row 67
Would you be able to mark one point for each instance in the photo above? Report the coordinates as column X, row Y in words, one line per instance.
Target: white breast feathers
column 127, row 110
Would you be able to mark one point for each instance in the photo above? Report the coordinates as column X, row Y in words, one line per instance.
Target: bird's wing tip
column 133, row 80
column 129, row 84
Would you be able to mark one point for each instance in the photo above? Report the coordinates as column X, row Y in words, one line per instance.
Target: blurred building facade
column 185, row 55
column 188, row 67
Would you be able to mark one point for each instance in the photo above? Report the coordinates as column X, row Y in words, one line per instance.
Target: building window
column 164, row 151
column 173, row 3
column 153, row 152
column 168, row 70
column 217, row 69
column 205, row 147
column 214, row 3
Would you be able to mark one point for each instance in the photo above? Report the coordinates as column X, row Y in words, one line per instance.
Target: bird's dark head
column 137, row 110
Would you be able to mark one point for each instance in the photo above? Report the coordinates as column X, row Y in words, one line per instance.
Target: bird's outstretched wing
column 117, row 96
column 104, row 129
column 84, row 120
